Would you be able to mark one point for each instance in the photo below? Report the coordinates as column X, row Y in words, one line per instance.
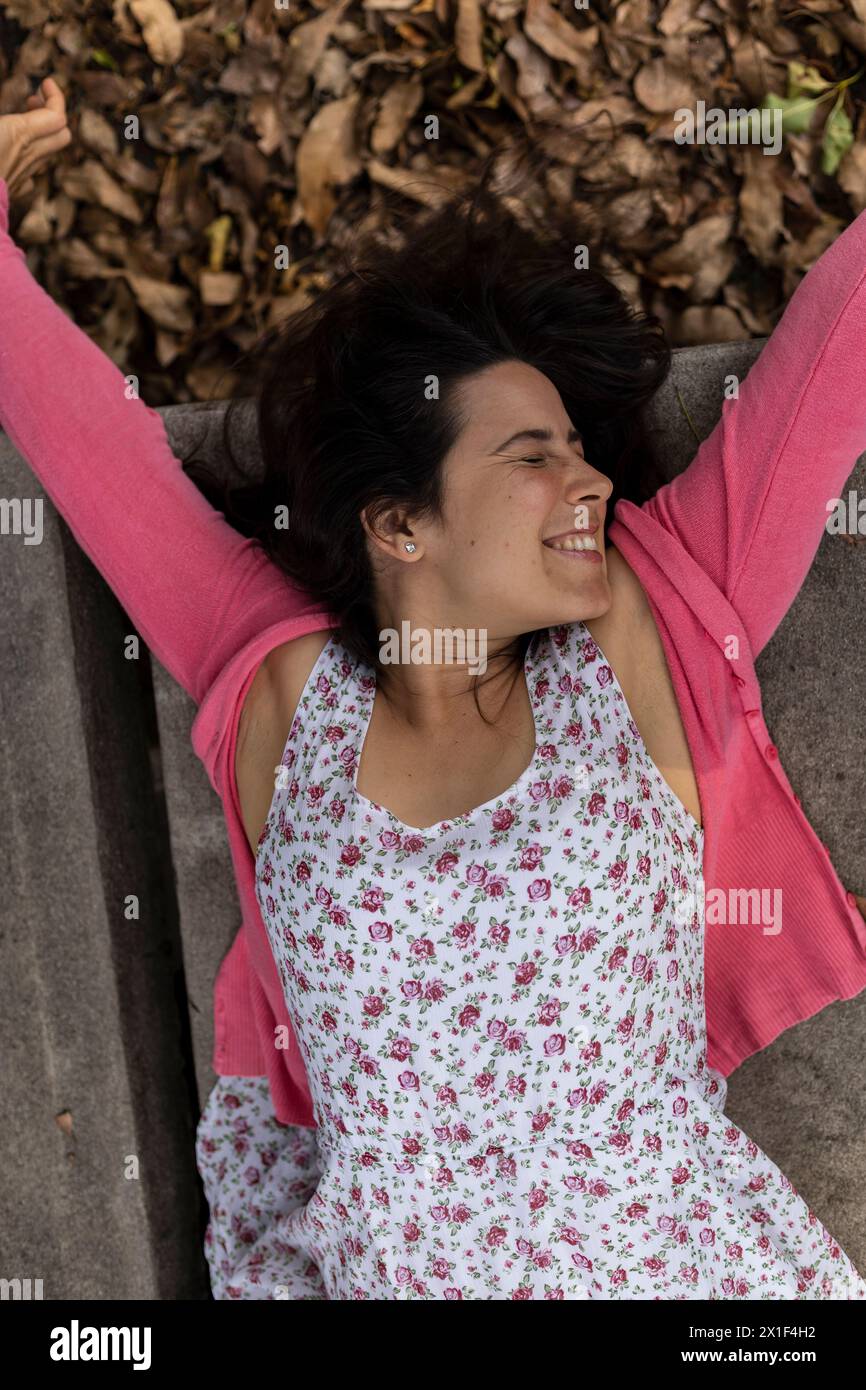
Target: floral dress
column 502, row 1022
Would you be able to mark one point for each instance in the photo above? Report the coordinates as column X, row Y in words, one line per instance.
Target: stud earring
column 410, row 545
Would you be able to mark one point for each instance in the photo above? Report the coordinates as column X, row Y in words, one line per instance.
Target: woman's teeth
column 573, row 543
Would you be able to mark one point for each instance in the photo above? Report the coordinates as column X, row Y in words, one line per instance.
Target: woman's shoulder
column 279, row 682
column 266, row 717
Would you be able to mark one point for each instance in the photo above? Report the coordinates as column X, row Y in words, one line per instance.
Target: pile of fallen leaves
column 223, row 150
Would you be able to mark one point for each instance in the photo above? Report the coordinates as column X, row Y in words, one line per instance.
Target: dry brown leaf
column 851, row 176
column 796, row 257
column 681, row 17
column 137, row 175
column 248, row 126
column 468, row 31
column 745, row 303
column 411, row 35
column 558, row 38
column 82, row 261
column 465, row 95
column 399, row 103
column 853, row 31
column 93, row 183
column 327, row 157
column 629, row 213
column 97, row 133
column 247, row 74
column 757, row 69
column 212, row 382
column 690, row 259
column 332, row 74
column 168, row 305
column 246, row 164
column 597, row 119
column 534, row 74
column 65, row 209
column 168, row 347
column 761, row 221
column 428, row 188
column 160, row 29
column 714, row 323
column 625, row 280
column 403, row 59
column 660, row 87
column 36, row 227
column 118, row 324
column 219, row 286
column 306, row 44
column 265, row 117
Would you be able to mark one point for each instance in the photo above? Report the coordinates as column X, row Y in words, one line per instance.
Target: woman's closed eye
column 539, row 459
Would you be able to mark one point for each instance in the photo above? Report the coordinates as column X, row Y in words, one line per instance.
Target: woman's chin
column 589, row 598
column 576, row 607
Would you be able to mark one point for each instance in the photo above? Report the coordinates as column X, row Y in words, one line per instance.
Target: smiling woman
column 472, row 966
column 577, row 796
column 364, row 395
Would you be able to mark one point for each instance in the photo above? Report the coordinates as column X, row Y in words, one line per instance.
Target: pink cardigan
column 721, row 551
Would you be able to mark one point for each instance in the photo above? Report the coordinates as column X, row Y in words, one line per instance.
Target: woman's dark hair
column 346, row 416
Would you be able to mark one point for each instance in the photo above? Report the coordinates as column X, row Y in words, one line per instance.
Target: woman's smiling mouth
column 580, row 545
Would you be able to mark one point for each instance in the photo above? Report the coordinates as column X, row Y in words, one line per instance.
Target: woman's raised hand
column 29, row 139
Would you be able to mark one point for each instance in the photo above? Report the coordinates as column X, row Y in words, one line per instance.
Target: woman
column 482, row 899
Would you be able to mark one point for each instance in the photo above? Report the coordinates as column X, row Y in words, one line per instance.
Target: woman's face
column 509, row 501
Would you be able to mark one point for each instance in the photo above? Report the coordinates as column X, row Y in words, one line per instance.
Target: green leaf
column 804, row 79
column 796, row 112
column 103, row 58
column 838, row 137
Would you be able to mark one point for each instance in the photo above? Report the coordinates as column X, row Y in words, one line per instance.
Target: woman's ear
column 388, row 530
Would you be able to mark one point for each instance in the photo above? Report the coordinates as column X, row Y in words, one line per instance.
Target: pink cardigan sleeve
column 753, row 504
column 196, row 590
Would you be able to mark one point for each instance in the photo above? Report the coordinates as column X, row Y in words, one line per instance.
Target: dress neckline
column 367, row 697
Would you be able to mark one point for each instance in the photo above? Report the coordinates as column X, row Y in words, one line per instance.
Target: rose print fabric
column 502, row 1021
column 255, row 1172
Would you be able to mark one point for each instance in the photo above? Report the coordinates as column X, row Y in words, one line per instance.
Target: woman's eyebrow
column 543, row 436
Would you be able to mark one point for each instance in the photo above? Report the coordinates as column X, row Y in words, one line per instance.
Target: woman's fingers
column 50, row 95
column 32, row 135
column 33, row 159
column 44, row 147
column 32, row 156
column 45, row 118
column 26, row 175
column 48, row 88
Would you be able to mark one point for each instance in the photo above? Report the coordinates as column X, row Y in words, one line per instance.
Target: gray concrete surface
column 93, row 1019
column 95, row 1015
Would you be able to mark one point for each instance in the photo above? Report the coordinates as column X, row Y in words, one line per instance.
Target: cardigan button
column 738, row 679
column 771, row 751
